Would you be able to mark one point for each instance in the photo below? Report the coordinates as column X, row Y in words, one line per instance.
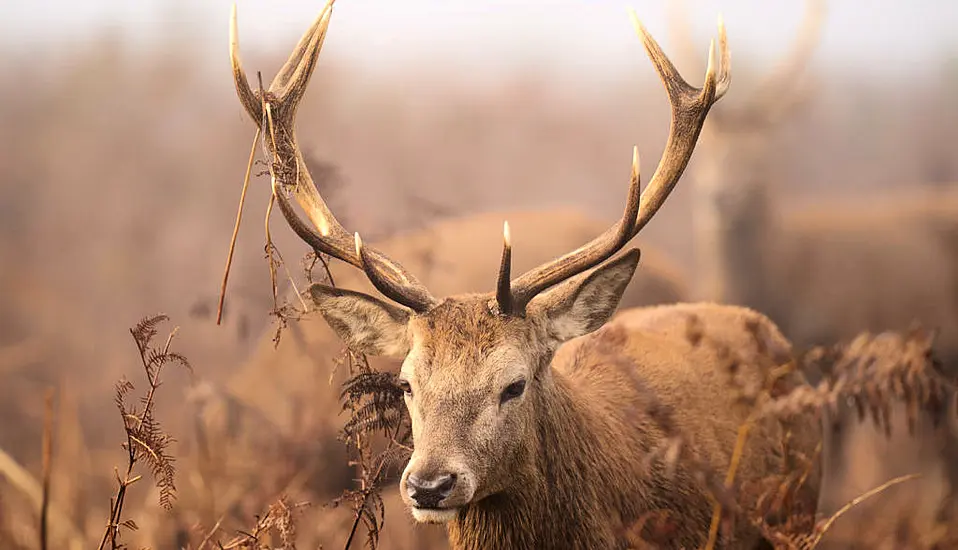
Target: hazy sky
column 883, row 35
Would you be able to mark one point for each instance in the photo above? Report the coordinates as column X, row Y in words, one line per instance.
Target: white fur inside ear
column 584, row 303
column 367, row 324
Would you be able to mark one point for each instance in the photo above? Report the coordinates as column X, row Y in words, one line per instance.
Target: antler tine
column 504, row 286
column 246, row 95
column 287, row 74
column 724, row 79
column 689, row 108
column 682, row 37
column 290, row 173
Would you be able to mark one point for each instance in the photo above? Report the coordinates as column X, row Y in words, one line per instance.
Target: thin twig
column 367, row 491
column 289, row 276
column 48, row 427
column 855, row 502
column 212, row 532
column 270, row 247
column 236, row 226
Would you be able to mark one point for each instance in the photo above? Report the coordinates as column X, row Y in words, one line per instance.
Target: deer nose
column 429, row 492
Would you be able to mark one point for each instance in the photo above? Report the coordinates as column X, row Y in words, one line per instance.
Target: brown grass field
column 120, row 175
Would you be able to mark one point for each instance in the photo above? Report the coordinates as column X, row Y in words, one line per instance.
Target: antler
column 274, row 111
column 778, row 92
column 690, row 106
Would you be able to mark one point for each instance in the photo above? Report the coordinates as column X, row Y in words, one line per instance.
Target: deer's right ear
column 368, row 325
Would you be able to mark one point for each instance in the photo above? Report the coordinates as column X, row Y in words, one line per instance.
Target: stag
column 826, row 272
column 304, row 420
column 451, row 256
column 456, row 255
column 513, row 449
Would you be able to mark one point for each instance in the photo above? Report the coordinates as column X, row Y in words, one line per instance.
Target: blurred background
column 123, row 150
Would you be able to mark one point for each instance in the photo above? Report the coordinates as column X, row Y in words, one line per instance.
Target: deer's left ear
column 585, row 302
column 366, row 324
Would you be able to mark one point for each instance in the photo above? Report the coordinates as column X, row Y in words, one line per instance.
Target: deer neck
column 733, row 237
column 558, row 496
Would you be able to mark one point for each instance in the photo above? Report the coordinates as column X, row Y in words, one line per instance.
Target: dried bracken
column 145, row 439
column 278, row 524
column 375, row 404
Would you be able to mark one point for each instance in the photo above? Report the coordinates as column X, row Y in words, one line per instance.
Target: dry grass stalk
column 48, row 435
column 236, row 226
column 826, row 525
column 24, row 482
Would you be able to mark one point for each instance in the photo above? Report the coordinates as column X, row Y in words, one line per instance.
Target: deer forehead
column 463, row 344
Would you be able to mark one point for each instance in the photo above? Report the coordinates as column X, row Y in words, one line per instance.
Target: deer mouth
column 434, row 515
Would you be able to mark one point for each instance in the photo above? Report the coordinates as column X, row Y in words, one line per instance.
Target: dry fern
column 145, row 439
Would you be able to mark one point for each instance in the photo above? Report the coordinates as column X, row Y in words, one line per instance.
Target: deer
column 452, row 255
column 512, row 449
column 266, row 408
column 805, row 267
column 287, row 394
column 827, row 272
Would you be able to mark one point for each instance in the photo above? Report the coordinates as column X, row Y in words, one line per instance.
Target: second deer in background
column 823, row 273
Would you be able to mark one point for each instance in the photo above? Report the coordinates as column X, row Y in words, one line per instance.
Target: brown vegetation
column 112, row 205
column 555, row 461
column 826, row 272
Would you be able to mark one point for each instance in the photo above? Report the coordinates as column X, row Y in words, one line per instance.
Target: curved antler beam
column 690, row 106
column 274, row 111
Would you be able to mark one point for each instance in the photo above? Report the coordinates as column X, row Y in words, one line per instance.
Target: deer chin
column 434, row 515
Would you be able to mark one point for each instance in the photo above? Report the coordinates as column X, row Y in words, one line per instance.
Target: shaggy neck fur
column 581, row 479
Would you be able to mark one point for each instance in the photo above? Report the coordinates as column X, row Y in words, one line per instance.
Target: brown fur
column 565, row 468
column 825, row 273
column 271, row 384
column 583, row 480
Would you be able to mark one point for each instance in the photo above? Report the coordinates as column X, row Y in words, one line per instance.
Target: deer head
column 734, row 163
column 476, row 368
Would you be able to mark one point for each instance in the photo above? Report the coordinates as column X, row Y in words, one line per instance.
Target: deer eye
column 404, row 386
column 512, row 391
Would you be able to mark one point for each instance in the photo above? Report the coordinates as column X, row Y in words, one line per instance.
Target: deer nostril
column 429, row 492
column 446, row 485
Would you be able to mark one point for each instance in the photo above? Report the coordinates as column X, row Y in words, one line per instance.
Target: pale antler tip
column 233, row 30
column 327, row 12
column 359, row 244
column 635, row 162
column 710, row 70
column 637, row 23
column 723, row 36
column 506, row 235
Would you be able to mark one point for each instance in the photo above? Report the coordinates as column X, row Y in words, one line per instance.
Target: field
column 119, row 184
